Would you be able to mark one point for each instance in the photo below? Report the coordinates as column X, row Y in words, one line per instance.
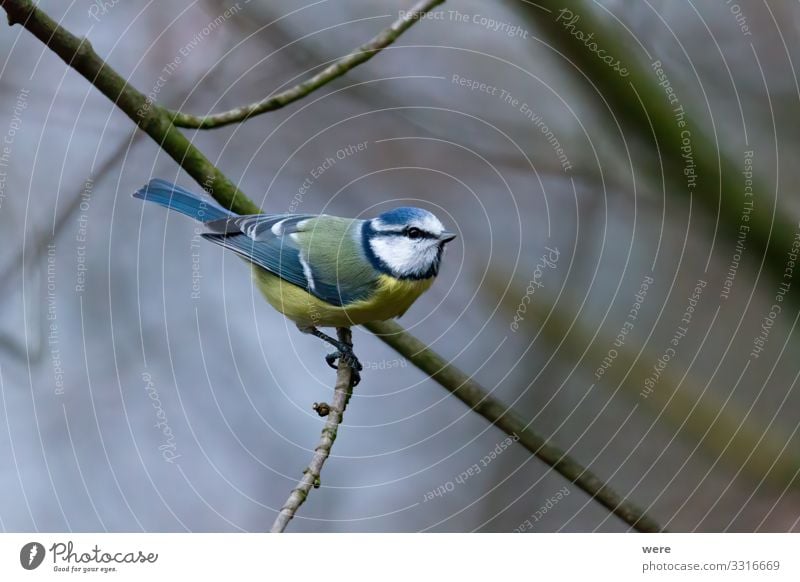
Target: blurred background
column 633, row 298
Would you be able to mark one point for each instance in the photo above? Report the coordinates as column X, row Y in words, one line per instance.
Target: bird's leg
column 343, row 350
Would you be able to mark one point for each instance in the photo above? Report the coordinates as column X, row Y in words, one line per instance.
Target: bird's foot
column 343, row 351
column 346, row 353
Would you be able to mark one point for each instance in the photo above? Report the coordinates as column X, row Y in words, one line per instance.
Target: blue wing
column 265, row 240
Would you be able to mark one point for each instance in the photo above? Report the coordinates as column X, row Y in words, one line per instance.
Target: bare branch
column 338, row 68
column 637, row 103
column 79, row 54
column 311, row 475
column 503, row 417
column 155, row 121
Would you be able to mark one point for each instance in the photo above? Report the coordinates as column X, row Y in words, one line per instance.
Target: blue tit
column 320, row 270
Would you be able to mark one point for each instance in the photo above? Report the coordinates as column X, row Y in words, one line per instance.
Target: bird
column 320, row 270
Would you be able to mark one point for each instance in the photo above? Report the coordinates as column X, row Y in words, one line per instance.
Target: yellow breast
column 392, row 298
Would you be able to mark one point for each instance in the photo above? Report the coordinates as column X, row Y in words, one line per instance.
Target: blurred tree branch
column 79, row 54
column 720, row 427
column 642, row 108
column 157, row 123
column 30, row 254
column 336, row 69
column 503, row 417
column 311, row 475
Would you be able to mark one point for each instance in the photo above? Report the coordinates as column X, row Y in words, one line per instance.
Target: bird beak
column 446, row 236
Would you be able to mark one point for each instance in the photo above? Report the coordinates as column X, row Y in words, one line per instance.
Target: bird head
column 406, row 242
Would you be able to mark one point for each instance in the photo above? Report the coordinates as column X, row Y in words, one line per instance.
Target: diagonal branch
column 669, row 131
column 79, row 54
column 155, row 121
column 336, row 69
column 311, row 475
column 503, row 417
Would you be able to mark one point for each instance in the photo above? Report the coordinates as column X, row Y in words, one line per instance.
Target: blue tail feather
column 175, row 197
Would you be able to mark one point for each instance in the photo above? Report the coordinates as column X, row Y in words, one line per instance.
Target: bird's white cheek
column 406, row 257
column 397, row 253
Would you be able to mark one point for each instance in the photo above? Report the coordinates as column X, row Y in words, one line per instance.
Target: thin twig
column 503, row 417
column 336, row 69
column 78, row 54
column 153, row 120
column 311, row 475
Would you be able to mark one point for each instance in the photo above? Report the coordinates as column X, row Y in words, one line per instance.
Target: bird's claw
column 331, row 358
column 350, row 359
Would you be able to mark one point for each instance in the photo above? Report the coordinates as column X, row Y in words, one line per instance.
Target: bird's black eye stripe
column 414, row 233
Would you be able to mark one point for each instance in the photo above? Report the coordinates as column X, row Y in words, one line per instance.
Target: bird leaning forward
column 320, row 270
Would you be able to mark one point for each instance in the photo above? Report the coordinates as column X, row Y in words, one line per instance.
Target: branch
column 479, row 400
column 639, row 103
column 155, row 121
column 338, row 68
column 311, row 475
column 769, row 454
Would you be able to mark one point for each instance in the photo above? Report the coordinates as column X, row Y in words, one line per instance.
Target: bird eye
column 414, row 232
